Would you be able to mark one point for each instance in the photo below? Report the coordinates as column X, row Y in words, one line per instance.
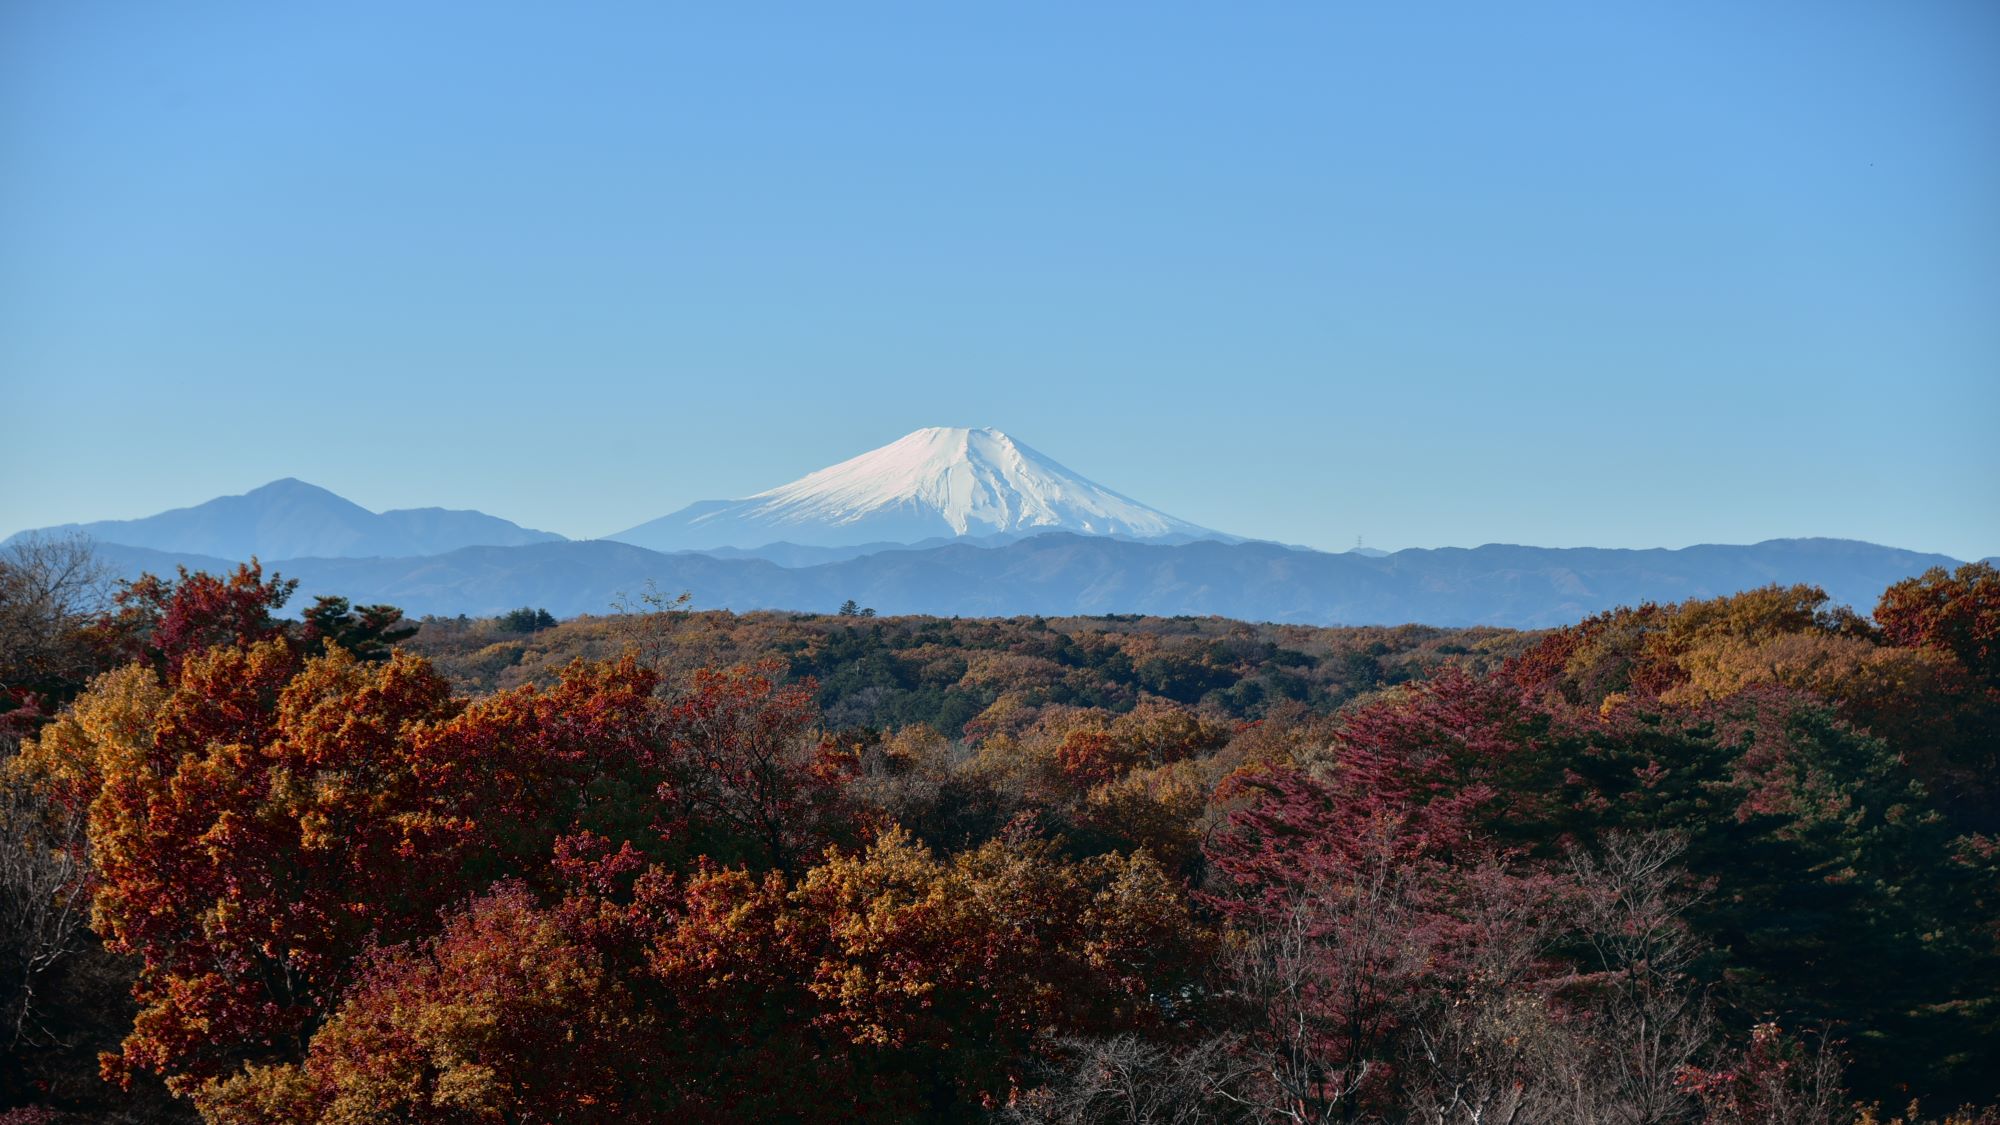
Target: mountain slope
column 1063, row 574
column 941, row 481
column 292, row 519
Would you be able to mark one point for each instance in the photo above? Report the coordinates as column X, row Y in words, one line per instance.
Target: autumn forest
column 1729, row 860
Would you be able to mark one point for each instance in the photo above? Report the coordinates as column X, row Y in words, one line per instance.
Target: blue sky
column 1565, row 274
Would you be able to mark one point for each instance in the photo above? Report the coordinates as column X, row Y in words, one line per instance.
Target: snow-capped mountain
column 941, row 481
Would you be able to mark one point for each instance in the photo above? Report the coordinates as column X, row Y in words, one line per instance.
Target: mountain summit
column 290, row 519
column 937, row 482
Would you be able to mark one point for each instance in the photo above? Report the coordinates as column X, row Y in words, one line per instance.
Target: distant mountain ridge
column 950, row 482
column 292, row 519
column 951, row 522
column 1060, row 574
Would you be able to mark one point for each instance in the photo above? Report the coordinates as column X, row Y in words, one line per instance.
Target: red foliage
column 167, row 621
column 246, row 859
column 1773, row 1080
column 742, row 759
column 1091, row 757
column 504, row 1015
column 520, row 769
column 1958, row 613
column 1355, row 886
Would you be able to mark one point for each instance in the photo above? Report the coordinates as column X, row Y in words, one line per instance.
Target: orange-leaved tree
column 249, row 845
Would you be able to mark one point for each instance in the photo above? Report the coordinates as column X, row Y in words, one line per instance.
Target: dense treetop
column 1730, row 860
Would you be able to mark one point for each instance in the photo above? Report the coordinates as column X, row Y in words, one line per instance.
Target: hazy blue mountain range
column 799, row 554
column 932, row 486
column 1062, row 573
column 292, row 519
column 948, row 521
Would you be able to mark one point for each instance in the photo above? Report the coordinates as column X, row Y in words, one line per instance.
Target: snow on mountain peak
column 977, row 480
column 951, row 481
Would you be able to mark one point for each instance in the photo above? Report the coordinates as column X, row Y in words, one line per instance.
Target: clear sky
column 1564, row 274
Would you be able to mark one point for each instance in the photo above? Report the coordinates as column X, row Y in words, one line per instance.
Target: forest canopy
column 1727, row 860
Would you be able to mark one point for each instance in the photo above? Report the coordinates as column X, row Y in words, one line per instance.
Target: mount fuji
column 936, row 483
column 950, row 522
